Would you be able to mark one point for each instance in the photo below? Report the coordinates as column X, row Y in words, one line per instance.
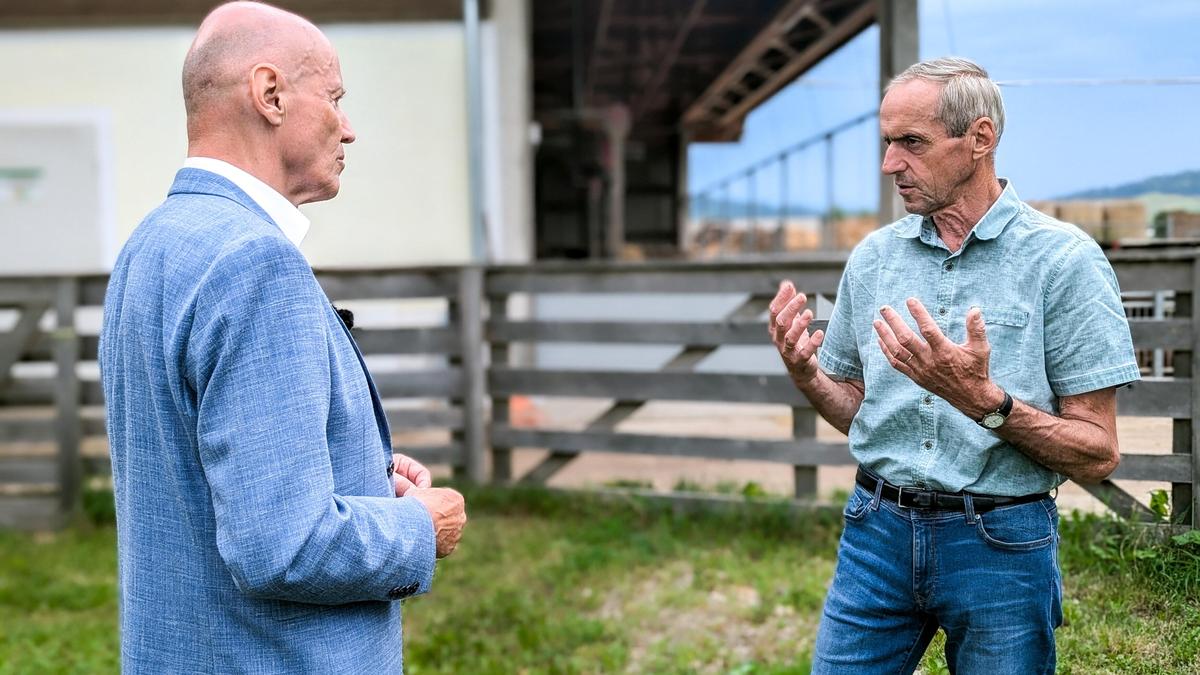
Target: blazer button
column 403, row 591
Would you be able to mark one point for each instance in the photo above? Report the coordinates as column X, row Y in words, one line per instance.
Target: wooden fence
column 62, row 402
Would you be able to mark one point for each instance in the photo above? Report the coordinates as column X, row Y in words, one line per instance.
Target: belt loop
column 878, row 494
column 969, row 508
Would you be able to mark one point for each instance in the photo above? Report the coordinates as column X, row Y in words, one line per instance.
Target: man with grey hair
column 962, row 428
column 264, row 525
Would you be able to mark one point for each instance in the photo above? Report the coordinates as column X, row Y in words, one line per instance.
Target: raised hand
column 956, row 372
column 789, row 332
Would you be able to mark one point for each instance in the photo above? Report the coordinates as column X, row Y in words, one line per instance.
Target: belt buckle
column 923, row 499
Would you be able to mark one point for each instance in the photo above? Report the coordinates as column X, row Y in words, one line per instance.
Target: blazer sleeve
column 258, row 359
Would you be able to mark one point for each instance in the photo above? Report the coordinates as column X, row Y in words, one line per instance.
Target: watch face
column 992, row 420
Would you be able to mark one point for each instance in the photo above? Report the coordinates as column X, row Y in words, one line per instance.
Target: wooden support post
column 804, row 427
column 66, row 395
column 470, row 315
column 502, row 468
column 1183, row 430
column 898, row 41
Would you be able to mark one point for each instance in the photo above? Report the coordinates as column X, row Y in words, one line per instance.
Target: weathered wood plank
column 431, row 340
column 30, row 513
column 474, row 384
column 696, row 334
column 28, row 469
column 1156, row 398
column 41, row 349
column 763, row 281
column 1153, row 275
column 797, row 452
column 451, row 453
column 67, row 428
column 648, row 386
column 92, row 289
column 1170, row 468
column 1120, row 501
column 409, row 418
column 17, row 291
column 373, row 284
column 26, row 429
column 502, row 466
column 1166, row 334
column 420, row 383
column 40, row 391
column 17, row 340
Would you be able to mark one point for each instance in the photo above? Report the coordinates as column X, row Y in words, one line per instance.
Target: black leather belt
column 917, row 498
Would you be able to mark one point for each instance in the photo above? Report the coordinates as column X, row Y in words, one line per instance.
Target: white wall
column 404, row 190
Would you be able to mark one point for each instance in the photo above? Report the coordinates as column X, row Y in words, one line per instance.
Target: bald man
column 264, row 525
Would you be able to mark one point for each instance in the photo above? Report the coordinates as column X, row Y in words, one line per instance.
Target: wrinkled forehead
column 910, row 103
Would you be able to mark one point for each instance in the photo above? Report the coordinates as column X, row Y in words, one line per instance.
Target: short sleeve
column 1088, row 345
column 839, row 353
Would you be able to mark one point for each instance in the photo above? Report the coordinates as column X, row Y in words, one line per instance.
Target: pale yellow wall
column 404, row 190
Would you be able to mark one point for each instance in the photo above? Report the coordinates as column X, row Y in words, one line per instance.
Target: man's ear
column 266, row 84
column 983, row 132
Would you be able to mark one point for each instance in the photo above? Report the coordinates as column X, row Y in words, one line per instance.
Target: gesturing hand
column 956, row 372
column 789, row 332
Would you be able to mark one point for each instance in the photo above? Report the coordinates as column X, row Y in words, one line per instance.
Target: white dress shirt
column 285, row 214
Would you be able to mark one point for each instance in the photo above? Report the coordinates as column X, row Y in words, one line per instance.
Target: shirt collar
column 1002, row 211
column 291, row 222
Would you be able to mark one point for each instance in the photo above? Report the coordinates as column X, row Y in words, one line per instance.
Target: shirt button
column 949, row 266
column 941, row 311
column 928, row 444
column 928, row 399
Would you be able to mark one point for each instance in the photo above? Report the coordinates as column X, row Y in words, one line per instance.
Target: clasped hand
column 446, row 506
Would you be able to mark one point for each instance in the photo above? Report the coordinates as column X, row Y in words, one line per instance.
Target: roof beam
column 667, row 62
column 711, row 111
column 597, row 47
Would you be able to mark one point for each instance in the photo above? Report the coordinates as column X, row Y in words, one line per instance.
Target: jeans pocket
column 1023, row 527
column 858, row 504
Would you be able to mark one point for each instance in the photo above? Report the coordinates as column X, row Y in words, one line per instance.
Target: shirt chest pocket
column 1006, row 329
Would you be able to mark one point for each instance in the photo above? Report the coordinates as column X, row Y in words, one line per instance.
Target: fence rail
column 51, row 403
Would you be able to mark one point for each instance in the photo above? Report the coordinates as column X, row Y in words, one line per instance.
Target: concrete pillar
column 898, row 49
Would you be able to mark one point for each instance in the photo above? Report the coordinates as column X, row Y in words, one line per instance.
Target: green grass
column 550, row 583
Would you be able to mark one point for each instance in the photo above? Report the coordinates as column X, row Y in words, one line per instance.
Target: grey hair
column 967, row 92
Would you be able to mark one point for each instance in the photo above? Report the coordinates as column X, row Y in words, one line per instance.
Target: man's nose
column 348, row 135
column 891, row 163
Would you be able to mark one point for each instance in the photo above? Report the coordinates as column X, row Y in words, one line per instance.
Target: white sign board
column 55, row 194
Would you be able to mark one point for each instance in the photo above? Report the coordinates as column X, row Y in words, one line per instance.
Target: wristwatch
column 994, row 419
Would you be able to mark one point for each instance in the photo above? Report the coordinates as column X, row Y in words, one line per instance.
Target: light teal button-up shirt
column 1054, row 320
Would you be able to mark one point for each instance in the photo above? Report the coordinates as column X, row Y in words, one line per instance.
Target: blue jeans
column 990, row 580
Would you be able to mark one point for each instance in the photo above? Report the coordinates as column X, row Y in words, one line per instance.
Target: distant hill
column 1183, row 183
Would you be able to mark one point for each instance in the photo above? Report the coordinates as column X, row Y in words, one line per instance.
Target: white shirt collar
column 285, row 214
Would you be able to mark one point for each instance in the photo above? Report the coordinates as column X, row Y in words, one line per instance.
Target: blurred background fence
column 444, row 342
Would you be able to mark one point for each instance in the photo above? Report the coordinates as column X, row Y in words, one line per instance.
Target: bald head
column 233, row 39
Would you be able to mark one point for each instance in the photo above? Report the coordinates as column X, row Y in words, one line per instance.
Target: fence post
column 804, row 426
column 1182, row 430
column 470, row 310
column 1189, row 499
column 66, row 396
column 502, row 466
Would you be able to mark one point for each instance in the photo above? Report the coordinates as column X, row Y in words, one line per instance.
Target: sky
column 1058, row 138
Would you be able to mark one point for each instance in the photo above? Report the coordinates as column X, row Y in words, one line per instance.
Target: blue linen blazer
column 257, row 530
